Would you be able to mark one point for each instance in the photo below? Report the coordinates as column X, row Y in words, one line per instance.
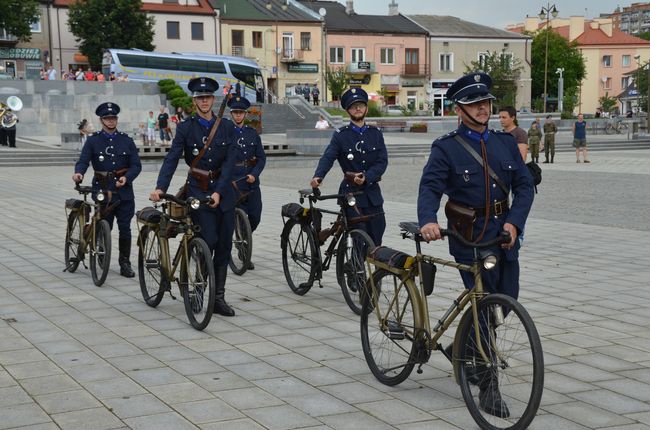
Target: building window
column 337, row 55
column 447, row 62
column 36, row 27
column 625, row 82
column 257, row 39
column 625, row 61
column 607, row 83
column 357, row 55
column 197, row 31
column 170, row 1
column 607, row 61
column 173, row 30
column 305, row 41
column 387, row 55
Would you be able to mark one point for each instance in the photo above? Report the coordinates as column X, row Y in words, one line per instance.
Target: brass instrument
column 7, row 116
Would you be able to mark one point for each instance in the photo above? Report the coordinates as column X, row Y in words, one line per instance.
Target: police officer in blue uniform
column 452, row 170
column 217, row 219
column 116, row 164
column 361, row 153
column 249, row 164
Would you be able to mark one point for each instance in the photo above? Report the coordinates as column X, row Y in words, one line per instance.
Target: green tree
column 645, row 35
column 504, row 70
column 607, row 103
column 17, row 16
column 640, row 76
column 337, row 81
column 101, row 24
column 561, row 54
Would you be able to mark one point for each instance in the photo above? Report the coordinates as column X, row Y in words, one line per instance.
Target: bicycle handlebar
column 314, row 195
column 183, row 202
column 83, row 189
column 412, row 229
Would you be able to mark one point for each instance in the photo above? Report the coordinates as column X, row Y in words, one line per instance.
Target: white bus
column 143, row 66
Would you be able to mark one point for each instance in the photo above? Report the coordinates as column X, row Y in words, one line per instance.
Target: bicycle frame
column 422, row 322
column 87, row 240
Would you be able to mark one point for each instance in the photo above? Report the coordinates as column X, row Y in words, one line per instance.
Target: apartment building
column 454, row 44
column 633, row 19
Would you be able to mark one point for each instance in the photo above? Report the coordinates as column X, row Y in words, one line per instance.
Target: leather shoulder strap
column 213, row 131
column 478, row 158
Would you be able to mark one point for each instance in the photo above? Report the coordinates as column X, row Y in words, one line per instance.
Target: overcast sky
column 494, row 13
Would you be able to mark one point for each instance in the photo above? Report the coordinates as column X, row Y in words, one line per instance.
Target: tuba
column 7, row 116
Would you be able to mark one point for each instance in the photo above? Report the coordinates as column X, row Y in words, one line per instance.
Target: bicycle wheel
column 509, row 387
column 73, row 252
column 242, row 244
column 388, row 329
column 622, row 128
column 609, row 129
column 299, row 256
column 198, row 284
column 351, row 267
column 150, row 273
column 100, row 257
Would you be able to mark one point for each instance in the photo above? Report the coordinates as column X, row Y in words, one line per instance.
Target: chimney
column 392, row 9
column 576, row 27
column 349, row 7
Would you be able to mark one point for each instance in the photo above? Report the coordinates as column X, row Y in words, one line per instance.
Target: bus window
column 162, row 63
column 216, row 67
column 191, row 65
column 246, row 74
column 128, row 60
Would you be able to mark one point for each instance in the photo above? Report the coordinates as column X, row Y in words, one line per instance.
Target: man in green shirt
column 549, row 138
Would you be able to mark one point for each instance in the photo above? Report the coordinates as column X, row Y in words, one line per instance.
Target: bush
column 165, row 82
column 184, row 101
column 176, row 92
column 373, row 109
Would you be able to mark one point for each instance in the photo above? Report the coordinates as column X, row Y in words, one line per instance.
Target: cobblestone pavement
column 76, row 356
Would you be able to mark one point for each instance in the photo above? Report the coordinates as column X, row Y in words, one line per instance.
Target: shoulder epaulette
column 345, row 127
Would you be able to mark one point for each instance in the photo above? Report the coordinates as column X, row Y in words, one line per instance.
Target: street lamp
column 548, row 11
column 636, row 85
column 560, row 89
column 269, row 7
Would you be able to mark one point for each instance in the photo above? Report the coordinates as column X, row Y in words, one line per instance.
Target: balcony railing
column 415, row 69
column 291, row 55
column 361, row 67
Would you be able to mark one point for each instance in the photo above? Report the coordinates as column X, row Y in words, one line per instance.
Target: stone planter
column 418, row 129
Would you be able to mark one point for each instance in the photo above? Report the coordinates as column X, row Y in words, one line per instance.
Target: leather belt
column 496, row 209
column 111, row 174
column 247, row 163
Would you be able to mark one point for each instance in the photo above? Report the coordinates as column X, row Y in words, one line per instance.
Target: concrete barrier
column 309, row 141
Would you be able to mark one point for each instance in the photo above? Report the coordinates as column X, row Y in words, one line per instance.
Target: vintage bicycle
column 191, row 267
column 302, row 237
column 87, row 232
column 242, row 239
column 496, row 355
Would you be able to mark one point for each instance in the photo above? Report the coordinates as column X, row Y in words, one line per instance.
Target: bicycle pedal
column 151, row 264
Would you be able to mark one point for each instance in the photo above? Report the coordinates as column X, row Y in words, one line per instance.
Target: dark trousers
column 375, row 226
column 502, row 279
column 11, row 138
column 252, row 205
column 3, row 136
column 124, row 212
column 217, row 228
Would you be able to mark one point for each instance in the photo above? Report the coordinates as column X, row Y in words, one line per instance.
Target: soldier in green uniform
column 534, row 139
column 549, row 138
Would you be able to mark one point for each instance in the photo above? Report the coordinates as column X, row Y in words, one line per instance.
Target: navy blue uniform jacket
column 249, row 145
column 190, row 138
column 453, row 171
column 108, row 153
column 357, row 152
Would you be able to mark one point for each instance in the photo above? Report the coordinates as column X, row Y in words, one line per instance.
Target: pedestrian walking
column 457, row 167
column 315, row 93
column 151, row 128
column 116, row 164
column 207, row 143
column 162, row 124
column 361, row 153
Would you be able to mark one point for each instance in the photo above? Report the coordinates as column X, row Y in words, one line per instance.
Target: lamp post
column 548, row 11
column 560, row 89
column 636, row 85
column 269, row 7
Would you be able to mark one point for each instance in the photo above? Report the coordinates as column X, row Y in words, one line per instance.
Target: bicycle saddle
column 411, row 227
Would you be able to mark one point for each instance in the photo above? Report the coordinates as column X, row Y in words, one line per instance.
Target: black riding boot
column 220, row 305
column 489, row 395
column 552, row 157
column 125, row 264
